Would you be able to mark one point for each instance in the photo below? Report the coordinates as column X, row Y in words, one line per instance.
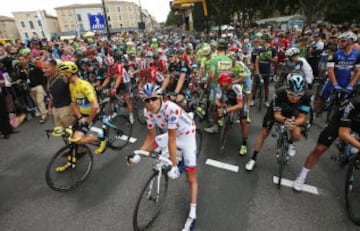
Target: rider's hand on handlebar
column 338, row 87
column 133, row 159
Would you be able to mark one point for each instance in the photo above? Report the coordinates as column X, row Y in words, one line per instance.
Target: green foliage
column 172, row 19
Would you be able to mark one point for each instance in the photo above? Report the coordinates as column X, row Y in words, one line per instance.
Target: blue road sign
column 97, row 21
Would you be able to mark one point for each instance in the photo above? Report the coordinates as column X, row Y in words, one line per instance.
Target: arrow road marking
column 289, row 183
column 222, row 165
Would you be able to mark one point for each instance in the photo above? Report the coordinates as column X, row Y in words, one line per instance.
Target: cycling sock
column 254, row 156
column 244, row 141
column 303, row 173
column 192, row 212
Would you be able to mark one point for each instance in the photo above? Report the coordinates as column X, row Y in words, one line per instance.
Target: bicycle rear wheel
column 150, row 201
column 119, row 137
column 260, row 96
column 223, row 136
column 198, row 141
column 352, row 190
column 72, row 176
column 140, row 105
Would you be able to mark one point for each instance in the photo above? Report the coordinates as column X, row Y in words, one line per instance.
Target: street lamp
column 106, row 20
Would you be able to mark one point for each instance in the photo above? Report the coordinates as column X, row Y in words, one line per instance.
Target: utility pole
column 106, row 21
column 141, row 24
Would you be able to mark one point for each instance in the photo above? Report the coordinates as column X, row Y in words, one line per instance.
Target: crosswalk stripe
column 222, row 165
column 289, row 183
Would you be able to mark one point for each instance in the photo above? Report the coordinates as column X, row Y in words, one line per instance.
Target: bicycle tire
column 223, row 136
column 352, row 190
column 140, row 105
column 199, row 140
column 143, row 198
column 260, row 96
column 119, row 137
column 282, row 159
column 54, row 179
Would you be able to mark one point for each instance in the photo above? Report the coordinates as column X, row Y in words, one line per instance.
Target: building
column 8, row 28
column 121, row 16
column 36, row 23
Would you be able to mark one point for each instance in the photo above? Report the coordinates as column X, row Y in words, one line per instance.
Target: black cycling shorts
column 329, row 134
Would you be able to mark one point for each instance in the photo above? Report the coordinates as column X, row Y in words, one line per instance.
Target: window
column 109, row 19
column 26, row 35
column 39, row 22
column 31, row 25
column 81, row 27
column 118, row 8
column 35, row 34
column 79, row 17
column 22, row 24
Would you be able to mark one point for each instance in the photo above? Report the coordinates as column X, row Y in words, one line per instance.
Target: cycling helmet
column 225, row 77
column 109, row 61
column 296, row 83
column 222, row 44
column 150, row 90
column 180, row 51
column 266, row 37
column 348, row 36
column 292, row 51
column 67, row 67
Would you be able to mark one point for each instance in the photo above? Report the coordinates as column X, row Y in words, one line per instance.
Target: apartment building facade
column 36, row 24
column 8, row 28
column 121, row 15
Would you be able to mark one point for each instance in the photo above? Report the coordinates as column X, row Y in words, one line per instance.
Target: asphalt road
column 227, row 200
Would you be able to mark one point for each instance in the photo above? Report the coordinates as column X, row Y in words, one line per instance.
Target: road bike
column 154, row 192
column 258, row 79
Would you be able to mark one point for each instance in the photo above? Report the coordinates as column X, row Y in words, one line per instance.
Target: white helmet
column 292, row 51
column 150, row 90
column 348, row 36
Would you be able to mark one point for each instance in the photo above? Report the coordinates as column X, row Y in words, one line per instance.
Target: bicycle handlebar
column 154, row 155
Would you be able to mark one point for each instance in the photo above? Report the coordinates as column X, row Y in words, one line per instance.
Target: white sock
column 192, row 212
column 303, row 173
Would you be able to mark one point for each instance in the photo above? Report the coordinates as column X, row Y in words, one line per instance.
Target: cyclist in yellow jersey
column 85, row 107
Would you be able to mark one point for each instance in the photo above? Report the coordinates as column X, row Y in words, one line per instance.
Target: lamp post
column 106, row 21
column 141, row 25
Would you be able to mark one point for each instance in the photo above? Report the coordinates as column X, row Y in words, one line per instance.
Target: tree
column 345, row 11
column 173, row 19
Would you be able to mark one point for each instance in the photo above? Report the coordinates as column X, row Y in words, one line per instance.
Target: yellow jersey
column 83, row 93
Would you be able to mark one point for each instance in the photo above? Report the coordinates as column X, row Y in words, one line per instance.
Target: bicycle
column 352, row 187
column 79, row 157
column 282, row 144
column 154, row 192
column 260, row 82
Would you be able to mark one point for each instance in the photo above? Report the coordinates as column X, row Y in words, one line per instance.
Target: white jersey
column 171, row 116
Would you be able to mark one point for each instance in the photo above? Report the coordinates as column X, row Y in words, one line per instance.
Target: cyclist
column 349, row 122
column 229, row 99
column 180, row 135
column 242, row 73
column 84, row 105
column 178, row 77
column 266, row 57
column 122, row 82
column 220, row 63
column 298, row 64
column 340, row 66
column 290, row 107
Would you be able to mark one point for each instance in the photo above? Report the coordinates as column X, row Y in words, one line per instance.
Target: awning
column 68, row 37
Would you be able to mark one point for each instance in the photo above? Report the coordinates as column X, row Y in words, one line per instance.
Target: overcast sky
column 158, row 8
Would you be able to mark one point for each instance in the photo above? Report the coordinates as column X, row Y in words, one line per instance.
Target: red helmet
column 234, row 49
column 225, row 77
column 109, row 61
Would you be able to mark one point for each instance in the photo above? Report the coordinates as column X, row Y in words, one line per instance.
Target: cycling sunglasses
column 152, row 99
column 293, row 94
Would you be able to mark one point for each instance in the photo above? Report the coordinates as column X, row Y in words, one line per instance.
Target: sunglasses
column 152, row 99
column 343, row 40
column 293, row 94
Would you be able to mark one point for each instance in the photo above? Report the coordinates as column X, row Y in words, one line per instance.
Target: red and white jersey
column 171, row 116
column 118, row 71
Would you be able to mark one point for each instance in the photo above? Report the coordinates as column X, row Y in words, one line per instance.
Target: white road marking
column 289, row 183
column 125, row 137
column 222, row 165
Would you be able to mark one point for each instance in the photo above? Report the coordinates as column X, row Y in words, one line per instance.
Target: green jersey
column 240, row 69
column 219, row 64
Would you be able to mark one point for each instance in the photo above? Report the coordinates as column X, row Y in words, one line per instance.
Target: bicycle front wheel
column 72, row 176
column 150, row 201
column 119, row 137
column 352, row 190
column 223, row 136
column 282, row 146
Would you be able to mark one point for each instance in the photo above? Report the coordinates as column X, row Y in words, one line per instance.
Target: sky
column 157, row 8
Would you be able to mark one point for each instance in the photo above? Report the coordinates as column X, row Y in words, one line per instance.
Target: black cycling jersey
column 350, row 115
column 175, row 69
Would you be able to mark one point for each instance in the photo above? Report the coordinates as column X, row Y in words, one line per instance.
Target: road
column 227, row 200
